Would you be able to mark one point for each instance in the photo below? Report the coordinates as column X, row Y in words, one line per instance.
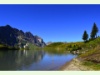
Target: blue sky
column 65, row 23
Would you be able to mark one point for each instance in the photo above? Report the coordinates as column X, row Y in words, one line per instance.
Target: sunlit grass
column 95, row 66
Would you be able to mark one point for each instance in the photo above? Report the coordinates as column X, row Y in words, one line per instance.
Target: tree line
column 93, row 33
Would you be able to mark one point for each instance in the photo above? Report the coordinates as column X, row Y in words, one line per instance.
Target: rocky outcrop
column 17, row 38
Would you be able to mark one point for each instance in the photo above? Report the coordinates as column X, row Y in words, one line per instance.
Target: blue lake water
column 32, row 60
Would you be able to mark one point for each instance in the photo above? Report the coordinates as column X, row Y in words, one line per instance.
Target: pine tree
column 94, row 31
column 85, row 36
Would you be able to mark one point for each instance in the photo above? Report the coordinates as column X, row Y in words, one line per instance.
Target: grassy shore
column 5, row 47
column 88, row 52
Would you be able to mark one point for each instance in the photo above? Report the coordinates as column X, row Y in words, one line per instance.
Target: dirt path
column 75, row 65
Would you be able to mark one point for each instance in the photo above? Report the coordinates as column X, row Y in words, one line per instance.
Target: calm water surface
column 28, row 60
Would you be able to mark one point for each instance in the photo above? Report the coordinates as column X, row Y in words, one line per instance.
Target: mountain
column 17, row 38
column 48, row 43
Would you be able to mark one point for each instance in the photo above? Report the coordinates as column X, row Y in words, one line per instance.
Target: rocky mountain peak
column 14, row 37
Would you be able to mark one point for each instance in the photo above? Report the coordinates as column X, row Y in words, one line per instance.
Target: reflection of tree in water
column 13, row 60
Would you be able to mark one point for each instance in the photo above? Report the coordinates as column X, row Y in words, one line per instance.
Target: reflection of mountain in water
column 14, row 60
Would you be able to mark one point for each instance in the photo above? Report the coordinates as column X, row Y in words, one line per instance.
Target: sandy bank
column 75, row 65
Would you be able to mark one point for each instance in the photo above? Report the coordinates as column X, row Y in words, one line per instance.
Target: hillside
column 88, row 53
column 64, row 47
column 91, row 56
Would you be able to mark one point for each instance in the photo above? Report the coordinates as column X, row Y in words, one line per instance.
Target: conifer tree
column 94, row 31
column 85, row 36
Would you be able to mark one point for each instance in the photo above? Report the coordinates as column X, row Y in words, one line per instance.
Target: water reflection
column 32, row 60
column 14, row 60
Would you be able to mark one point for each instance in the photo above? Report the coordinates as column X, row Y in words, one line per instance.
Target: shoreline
column 74, row 65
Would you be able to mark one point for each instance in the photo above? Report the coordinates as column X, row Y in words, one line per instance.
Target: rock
column 14, row 37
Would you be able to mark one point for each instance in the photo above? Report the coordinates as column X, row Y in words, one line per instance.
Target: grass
column 91, row 49
column 30, row 47
column 89, row 52
column 75, row 45
column 95, row 66
column 4, row 47
column 33, row 47
column 60, row 47
column 91, row 57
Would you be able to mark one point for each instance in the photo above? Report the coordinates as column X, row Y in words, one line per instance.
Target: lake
column 32, row 60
